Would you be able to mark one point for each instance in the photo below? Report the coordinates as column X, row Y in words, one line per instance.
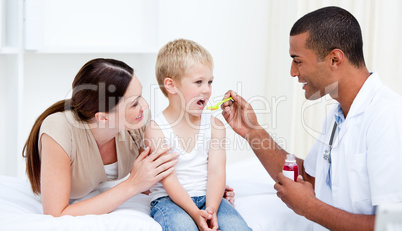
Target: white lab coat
column 366, row 153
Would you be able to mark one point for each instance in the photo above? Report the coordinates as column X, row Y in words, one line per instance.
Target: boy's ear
column 170, row 85
column 102, row 117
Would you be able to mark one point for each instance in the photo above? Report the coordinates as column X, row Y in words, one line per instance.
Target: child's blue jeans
column 172, row 217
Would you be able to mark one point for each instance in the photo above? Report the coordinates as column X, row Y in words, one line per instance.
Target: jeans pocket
column 155, row 202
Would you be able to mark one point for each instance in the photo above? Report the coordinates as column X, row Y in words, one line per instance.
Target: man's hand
column 296, row 195
column 300, row 197
column 239, row 114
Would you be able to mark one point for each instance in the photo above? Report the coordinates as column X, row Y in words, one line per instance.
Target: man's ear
column 102, row 117
column 170, row 85
column 336, row 57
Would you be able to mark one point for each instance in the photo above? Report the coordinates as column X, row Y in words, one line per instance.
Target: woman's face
column 131, row 111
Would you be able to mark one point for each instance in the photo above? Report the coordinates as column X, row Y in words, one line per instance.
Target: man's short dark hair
column 332, row 28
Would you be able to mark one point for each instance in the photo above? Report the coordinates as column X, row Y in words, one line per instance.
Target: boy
column 191, row 197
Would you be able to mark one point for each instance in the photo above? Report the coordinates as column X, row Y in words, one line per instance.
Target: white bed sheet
column 21, row 210
column 256, row 201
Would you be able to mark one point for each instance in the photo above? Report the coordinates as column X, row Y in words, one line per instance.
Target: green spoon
column 216, row 107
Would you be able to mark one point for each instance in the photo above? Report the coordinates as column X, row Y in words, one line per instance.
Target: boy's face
column 195, row 88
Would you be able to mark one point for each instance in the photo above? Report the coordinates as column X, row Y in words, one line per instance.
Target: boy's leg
column 229, row 218
column 171, row 216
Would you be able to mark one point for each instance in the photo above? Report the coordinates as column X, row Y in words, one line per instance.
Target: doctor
column 339, row 185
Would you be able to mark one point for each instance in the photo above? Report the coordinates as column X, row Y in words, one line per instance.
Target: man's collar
column 364, row 96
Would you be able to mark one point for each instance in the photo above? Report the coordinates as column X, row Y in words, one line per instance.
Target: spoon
column 216, row 107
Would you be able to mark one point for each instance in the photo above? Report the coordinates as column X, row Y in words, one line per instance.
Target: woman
column 95, row 136
column 75, row 143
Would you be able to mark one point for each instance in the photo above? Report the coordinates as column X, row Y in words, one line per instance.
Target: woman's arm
column 216, row 167
column 55, row 177
column 56, row 181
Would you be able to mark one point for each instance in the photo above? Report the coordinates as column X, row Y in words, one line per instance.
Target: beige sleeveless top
column 87, row 169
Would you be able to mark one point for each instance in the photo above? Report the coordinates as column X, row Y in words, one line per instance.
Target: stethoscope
column 327, row 153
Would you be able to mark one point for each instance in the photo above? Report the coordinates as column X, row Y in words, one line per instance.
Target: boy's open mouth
column 201, row 102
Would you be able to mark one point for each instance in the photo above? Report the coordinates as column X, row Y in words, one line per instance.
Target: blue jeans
column 172, row 217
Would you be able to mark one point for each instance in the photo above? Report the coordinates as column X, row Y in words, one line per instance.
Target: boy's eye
column 210, row 82
column 198, row 82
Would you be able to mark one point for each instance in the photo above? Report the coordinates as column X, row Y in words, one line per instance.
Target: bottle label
column 289, row 174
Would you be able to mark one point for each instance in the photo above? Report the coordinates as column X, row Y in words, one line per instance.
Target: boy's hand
column 202, row 220
column 213, row 222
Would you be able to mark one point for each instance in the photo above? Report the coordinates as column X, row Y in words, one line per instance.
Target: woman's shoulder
column 55, row 121
column 65, row 117
column 59, row 128
column 55, row 117
column 63, row 126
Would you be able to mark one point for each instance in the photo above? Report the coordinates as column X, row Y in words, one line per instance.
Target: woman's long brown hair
column 97, row 87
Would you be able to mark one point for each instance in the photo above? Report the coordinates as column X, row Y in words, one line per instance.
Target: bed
column 256, row 201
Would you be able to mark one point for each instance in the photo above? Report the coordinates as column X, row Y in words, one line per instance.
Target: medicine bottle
column 290, row 169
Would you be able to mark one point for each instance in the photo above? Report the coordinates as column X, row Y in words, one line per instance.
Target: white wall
column 247, row 38
column 233, row 32
column 2, row 115
column 299, row 120
column 48, row 78
column 91, row 25
column 9, row 104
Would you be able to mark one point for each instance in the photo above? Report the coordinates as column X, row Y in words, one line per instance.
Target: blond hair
column 176, row 57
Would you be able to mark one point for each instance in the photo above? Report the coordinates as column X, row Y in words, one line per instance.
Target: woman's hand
column 150, row 169
column 229, row 194
column 239, row 114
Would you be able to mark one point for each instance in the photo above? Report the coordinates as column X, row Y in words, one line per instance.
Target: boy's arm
column 154, row 138
column 179, row 195
column 216, row 165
